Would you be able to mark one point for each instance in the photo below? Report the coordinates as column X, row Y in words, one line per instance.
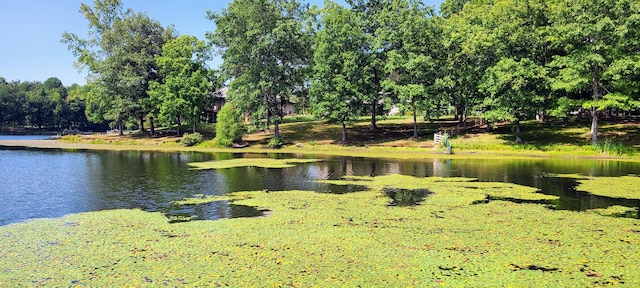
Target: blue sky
column 30, row 32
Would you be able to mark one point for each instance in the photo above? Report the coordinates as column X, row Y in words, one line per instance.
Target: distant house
column 219, row 98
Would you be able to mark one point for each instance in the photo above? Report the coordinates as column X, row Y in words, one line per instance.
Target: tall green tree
column 266, row 49
column 375, row 27
column 339, row 83
column 592, row 37
column 57, row 96
column 411, row 56
column 120, row 57
column 185, row 84
column 12, row 104
column 461, row 65
column 515, row 83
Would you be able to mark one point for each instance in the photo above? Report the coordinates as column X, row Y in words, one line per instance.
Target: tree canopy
column 501, row 60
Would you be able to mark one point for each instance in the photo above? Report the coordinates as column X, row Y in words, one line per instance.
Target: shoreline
column 332, row 150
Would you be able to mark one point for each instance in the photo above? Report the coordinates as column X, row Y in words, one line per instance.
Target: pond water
column 37, row 183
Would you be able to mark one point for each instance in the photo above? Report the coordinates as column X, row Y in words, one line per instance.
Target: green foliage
column 230, row 126
column 71, row 138
column 613, row 148
column 275, row 142
column 185, row 85
column 266, row 48
column 191, row 139
column 120, row 58
column 339, row 84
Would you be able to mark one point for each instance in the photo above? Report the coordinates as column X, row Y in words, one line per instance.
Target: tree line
column 502, row 60
column 48, row 105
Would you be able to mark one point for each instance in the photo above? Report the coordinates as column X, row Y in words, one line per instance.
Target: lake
column 39, row 183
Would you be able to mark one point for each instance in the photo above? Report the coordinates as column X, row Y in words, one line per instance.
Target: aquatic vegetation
column 319, row 239
column 251, row 162
column 616, row 211
column 469, row 187
column 200, row 199
column 618, row 187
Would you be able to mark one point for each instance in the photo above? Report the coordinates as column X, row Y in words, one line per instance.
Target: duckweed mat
column 251, row 162
column 325, row 240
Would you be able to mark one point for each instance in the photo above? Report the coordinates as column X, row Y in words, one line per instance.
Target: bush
column 191, row 139
column 230, row 126
column 275, row 142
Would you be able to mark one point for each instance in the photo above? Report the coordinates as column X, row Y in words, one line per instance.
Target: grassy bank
column 454, row 238
column 393, row 139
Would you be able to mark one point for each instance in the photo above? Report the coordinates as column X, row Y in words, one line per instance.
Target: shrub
column 275, row 142
column 191, row 139
column 230, row 126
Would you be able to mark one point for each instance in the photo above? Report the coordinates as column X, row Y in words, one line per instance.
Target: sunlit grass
column 303, row 134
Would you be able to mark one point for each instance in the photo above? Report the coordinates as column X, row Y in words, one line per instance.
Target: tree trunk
column 517, row 131
column 374, row 105
column 141, row 119
column 456, row 112
column 179, row 125
column 415, row 120
column 195, row 125
column 594, row 126
column 152, row 127
column 276, row 129
column 374, row 108
column 595, row 86
column 344, row 133
column 120, row 127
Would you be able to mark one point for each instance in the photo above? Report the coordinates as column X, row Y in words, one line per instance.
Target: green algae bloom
column 251, row 162
column 616, row 187
column 327, row 240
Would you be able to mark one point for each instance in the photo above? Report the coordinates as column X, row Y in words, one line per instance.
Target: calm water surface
column 51, row 183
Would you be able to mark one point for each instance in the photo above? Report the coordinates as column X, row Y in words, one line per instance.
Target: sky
column 31, row 30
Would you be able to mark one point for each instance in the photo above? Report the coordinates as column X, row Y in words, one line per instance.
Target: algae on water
column 251, row 162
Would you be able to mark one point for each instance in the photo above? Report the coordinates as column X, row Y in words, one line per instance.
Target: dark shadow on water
column 210, row 211
column 576, row 200
column 551, row 204
column 343, row 189
column 406, row 197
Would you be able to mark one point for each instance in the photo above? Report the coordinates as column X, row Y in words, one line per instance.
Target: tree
column 375, row 46
column 411, row 62
column 77, row 106
column 592, row 38
column 119, row 55
column 512, row 88
column 461, row 65
column 229, row 125
column 514, row 83
column 12, row 103
column 185, row 84
column 57, row 96
column 265, row 48
column 339, row 83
